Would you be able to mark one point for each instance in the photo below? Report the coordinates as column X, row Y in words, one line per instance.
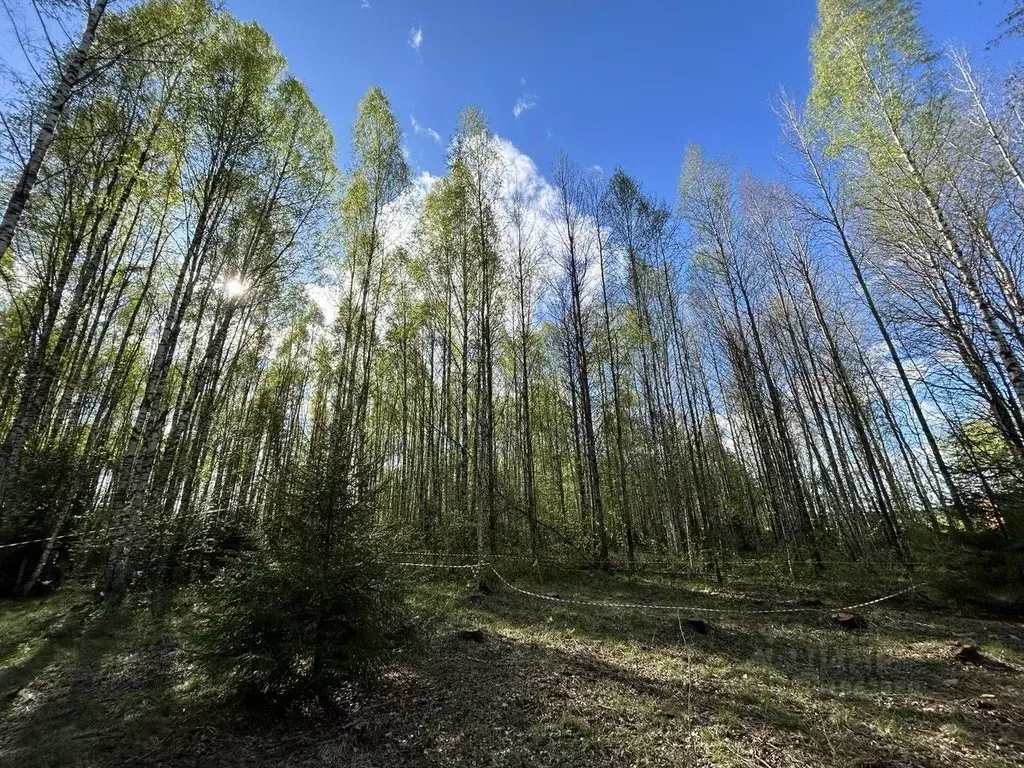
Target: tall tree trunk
column 70, row 75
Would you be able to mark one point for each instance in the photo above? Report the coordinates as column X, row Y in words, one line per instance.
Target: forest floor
column 543, row 684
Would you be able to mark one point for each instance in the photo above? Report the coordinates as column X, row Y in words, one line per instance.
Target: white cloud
column 525, row 102
column 416, row 37
column 521, row 182
column 419, row 129
column 519, row 178
column 365, row 4
column 398, row 223
column 327, row 299
column 520, row 175
column 403, row 214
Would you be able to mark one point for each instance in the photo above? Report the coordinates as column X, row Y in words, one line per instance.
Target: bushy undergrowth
column 274, row 630
column 312, row 608
column 983, row 565
column 980, row 569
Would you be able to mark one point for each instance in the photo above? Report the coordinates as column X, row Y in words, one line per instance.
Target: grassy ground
column 543, row 684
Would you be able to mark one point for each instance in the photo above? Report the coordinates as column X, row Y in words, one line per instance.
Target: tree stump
column 851, row 622
column 697, row 626
column 968, row 654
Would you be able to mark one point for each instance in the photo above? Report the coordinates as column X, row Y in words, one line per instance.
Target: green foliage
column 381, row 170
column 983, row 561
column 989, row 477
column 278, row 627
column 732, row 378
column 981, row 567
column 316, row 606
column 979, row 453
column 870, row 65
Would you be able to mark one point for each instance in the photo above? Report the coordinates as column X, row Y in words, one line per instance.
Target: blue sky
column 625, row 83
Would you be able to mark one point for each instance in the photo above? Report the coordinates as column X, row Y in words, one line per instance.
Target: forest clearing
column 505, row 679
column 679, row 428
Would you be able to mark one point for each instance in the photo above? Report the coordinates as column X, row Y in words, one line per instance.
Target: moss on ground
column 551, row 684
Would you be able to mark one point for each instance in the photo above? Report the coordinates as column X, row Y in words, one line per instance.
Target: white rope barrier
column 644, row 565
column 659, row 606
column 65, row 536
column 77, row 534
column 542, row 596
column 445, row 566
column 662, row 607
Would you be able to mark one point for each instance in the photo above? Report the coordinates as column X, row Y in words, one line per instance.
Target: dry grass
column 550, row 684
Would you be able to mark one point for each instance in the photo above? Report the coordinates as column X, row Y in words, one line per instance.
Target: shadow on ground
column 549, row 685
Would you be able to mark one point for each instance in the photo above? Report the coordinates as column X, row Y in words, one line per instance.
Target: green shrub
column 314, row 606
column 983, row 568
column 979, row 556
column 274, row 631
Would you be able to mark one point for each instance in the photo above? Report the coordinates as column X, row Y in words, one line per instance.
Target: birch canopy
column 328, row 443
column 205, row 301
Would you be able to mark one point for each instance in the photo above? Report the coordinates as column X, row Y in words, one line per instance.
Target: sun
column 234, row 287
